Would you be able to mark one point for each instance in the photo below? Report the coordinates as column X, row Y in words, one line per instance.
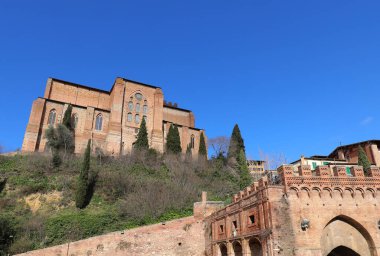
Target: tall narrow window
column 130, row 106
column 51, row 118
column 192, row 141
column 137, row 119
column 145, row 118
column 145, row 109
column 99, row 122
column 74, row 121
column 129, row 117
column 138, row 107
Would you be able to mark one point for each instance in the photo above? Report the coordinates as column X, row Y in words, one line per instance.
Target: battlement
column 330, row 179
column 324, row 177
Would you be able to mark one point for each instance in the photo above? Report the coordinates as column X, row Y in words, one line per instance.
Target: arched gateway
column 343, row 236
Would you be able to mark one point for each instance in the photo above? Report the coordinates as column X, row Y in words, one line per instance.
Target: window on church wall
column 138, row 96
column 129, row 117
column 192, row 141
column 51, row 118
column 145, row 109
column 74, row 121
column 99, row 122
column 137, row 119
column 138, row 107
column 145, row 118
column 130, row 106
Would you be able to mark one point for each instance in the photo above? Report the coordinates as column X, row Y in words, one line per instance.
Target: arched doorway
column 255, row 247
column 223, row 250
column 238, row 249
column 345, row 236
column 343, row 251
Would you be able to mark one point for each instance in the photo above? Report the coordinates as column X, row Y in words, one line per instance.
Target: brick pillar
column 357, row 171
column 158, row 139
column 340, row 171
column 376, row 154
column 245, row 246
column 323, row 171
column 304, row 170
column 374, row 172
column 113, row 139
column 341, row 155
column 31, row 138
column 230, row 250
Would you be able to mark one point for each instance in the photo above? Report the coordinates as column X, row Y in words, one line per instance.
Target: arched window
column 99, row 122
column 145, row 118
column 51, row 118
column 129, row 117
column 74, row 121
column 137, row 119
column 130, row 106
column 192, row 141
column 145, row 109
column 138, row 107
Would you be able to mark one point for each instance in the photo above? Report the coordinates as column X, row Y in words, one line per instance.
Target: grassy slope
column 130, row 191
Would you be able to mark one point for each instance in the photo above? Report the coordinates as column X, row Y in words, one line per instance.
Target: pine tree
column 173, row 141
column 202, row 146
column 81, row 196
column 67, row 117
column 363, row 160
column 236, row 143
column 142, row 137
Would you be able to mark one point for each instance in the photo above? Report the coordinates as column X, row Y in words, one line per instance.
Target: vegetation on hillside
column 38, row 206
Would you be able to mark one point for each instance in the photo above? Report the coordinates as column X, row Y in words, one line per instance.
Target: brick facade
column 306, row 214
column 118, row 108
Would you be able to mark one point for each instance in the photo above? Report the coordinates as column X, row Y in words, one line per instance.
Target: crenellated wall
column 306, row 214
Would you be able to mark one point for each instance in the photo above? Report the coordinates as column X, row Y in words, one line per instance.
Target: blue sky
column 299, row 77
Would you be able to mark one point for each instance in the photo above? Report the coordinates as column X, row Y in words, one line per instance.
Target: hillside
column 37, row 201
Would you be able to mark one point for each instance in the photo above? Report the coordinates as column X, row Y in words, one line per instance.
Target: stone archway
column 223, row 250
column 255, row 247
column 343, row 234
column 343, row 251
column 238, row 249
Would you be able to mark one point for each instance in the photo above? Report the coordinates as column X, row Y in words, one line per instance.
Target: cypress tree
column 173, row 141
column 67, row 117
column 202, row 146
column 82, row 186
column 188, row 150
column 236, row 143
column 363, row 160
column 142, row 137
column 245, row 176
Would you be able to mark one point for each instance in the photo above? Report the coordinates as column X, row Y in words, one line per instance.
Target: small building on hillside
column 256, row 168
column 349, row 152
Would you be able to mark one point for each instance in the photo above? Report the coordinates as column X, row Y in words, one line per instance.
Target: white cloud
column 367, row 120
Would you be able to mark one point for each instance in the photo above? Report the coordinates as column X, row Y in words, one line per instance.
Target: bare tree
column 272, row 160
column 219, row 145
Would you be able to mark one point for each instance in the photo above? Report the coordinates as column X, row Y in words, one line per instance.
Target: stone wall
column 179, row 237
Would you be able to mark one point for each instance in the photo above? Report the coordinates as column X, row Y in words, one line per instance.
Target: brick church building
column 111, row 119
